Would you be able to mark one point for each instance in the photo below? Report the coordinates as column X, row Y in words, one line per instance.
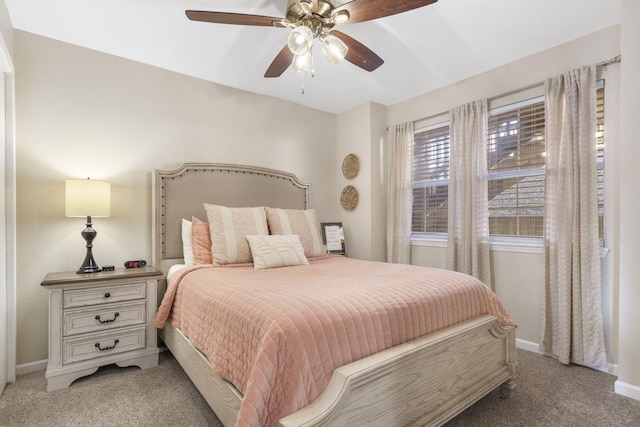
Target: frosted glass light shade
column 303, row 63
column 300, row 40
column 334, row 49
column 87, row 197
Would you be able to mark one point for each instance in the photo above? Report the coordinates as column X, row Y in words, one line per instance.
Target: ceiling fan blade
column 232, row 18
column 281, row 62
column 366, row 10
column 359, row 54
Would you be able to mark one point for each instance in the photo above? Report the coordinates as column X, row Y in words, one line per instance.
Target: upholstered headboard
column 180, row 193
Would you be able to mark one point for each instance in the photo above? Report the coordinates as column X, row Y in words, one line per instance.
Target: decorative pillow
column 187, row 248
column 228, row 228
column 301, row 222
column 276, row 251
column 201, row 241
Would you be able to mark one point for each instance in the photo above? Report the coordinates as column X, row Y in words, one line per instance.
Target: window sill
column 526, row 245
column 498, row 244
column 532, row 246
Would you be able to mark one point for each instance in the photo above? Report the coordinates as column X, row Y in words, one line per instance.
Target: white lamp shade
column 87, row 197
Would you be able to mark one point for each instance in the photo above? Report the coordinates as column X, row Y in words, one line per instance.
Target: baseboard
column 611, row 368
column 628, row 390
column 528, row 345
column 27, row 368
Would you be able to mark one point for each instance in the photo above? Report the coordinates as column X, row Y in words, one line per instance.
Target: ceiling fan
column 311, row 19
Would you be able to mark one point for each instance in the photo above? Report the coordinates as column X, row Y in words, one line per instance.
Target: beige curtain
column 468, row 236
column 400, row 193
column 572, row 325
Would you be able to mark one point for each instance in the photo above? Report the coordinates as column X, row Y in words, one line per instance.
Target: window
column 516, row 163
column 430, row 179
column 516, row 158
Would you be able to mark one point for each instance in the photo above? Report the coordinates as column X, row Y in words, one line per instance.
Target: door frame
column 7, row 68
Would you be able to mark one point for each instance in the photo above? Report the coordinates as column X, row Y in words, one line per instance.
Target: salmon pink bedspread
column 278, row 334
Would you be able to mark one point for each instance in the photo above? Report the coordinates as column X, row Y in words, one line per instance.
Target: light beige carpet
column 551, row 394
column 160, row 396
column 548, row 394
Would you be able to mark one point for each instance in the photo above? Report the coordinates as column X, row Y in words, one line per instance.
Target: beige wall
column 518, row 272
column 5, row 27
column 517, row 277
column 362, row 131
column 629, row 227
column 82, row 113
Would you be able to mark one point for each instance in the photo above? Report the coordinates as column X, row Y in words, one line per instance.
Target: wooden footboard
column 425, row 382
column 221, row 395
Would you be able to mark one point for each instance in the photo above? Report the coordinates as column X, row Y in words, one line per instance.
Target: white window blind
column 430, row 179
column 516, row 159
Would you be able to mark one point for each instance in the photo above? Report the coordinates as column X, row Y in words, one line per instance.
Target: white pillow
column 281, row 250
column 187, row 246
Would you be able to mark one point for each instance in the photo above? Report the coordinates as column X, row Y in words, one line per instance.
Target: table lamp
column 90, row 198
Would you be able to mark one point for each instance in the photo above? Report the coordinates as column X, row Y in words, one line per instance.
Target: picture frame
column 333, row 237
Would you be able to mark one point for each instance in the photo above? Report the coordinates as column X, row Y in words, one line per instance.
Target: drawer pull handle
column 115, row 343
column 107, row 295
column 115, row 316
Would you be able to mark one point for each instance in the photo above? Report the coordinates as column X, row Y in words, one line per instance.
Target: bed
column 426, row 380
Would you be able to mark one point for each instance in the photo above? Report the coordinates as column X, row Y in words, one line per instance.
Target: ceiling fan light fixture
column 306, row 5
column 333, row 48
column 304, row 63
column 300, row 40
column 341, row 16
column 310, row 19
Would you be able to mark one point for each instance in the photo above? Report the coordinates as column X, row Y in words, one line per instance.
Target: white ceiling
column 423, row 49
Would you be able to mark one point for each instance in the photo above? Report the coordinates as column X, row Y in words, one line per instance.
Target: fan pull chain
column 302, row 74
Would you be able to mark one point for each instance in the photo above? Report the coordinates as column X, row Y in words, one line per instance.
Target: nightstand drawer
column 104, row 295
column 99, row 345
column 79, row 321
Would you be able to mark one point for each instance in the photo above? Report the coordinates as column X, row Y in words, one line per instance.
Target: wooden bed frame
column 427, row 381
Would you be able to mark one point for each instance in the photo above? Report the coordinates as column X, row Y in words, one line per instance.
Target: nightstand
column 99, row 319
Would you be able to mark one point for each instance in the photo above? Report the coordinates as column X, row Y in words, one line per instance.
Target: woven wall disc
column 350, row 166
column 349, row 198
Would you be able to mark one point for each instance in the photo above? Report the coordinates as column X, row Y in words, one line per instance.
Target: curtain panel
column 468, row 236
column 572, row 322
column 400, row 193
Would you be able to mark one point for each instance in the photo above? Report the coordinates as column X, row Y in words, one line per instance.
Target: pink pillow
column 201, row 241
